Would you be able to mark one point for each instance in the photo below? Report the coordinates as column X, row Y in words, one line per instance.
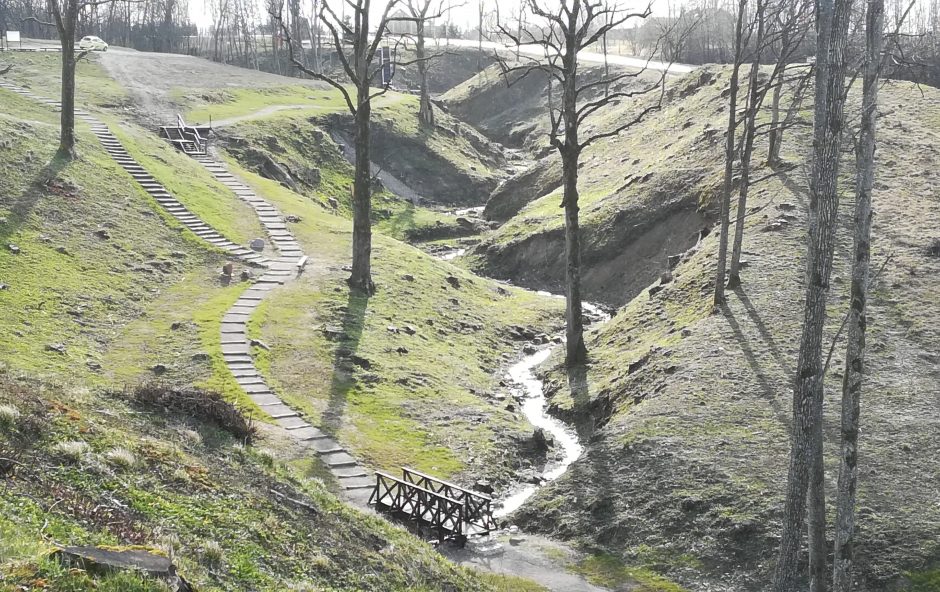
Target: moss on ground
column 611, row 572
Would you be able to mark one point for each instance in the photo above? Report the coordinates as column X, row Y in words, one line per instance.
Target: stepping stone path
column 357, row 483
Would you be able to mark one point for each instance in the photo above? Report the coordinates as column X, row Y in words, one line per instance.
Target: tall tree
column 356, row 58
column 843, row 557
column 65, row 14
column 806, row 473
column 792, row 30
column 565, row 30
column 730, row 144
column 419, row 11
column 755, row 98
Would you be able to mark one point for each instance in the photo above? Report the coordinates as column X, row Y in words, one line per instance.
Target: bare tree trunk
column 750, row 122
column 425, row 109
column 719, row 295
column 576, row 352
column 855, row 351
column 805, row 484
column 65, row 18
column 361, row 278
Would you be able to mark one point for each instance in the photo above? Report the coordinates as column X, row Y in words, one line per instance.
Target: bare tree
column 793, row 29
column 806, row 473
column 419, row 11
column 357, row 64
column 562, row 32
column 65, row 14
column 730, row 142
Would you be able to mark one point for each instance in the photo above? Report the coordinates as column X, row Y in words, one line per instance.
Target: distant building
column 402, row 27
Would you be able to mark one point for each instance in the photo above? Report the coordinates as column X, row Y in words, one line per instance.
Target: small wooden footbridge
column 433, row 506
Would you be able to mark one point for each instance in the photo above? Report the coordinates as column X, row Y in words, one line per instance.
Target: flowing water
column 535, row 410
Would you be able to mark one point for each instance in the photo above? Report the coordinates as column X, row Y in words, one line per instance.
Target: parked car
column 92, row 43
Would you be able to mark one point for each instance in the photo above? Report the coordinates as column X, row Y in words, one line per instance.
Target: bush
column 195, row 403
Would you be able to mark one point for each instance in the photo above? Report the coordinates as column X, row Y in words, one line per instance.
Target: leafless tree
column 793, row 26
column 805, row 494
column 356, row 53
column 843, row 556
column 419, row 9
column 740, row 41
column 561, row 32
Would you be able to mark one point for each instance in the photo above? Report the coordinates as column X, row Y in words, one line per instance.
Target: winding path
column 355, row 481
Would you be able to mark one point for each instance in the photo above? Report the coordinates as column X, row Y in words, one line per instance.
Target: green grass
column 238, row 102
column 504, row 583
column 41, row 73
column 68, row 285
column 414, row 408
column 610, row 571
column 191, row 184
column 924, row 581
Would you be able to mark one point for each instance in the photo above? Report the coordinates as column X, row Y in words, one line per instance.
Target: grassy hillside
column 690, row 409
column 449, row 164
column 643, row 196
column 100, row 290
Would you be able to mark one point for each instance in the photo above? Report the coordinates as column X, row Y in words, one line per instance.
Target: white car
column 92, row 43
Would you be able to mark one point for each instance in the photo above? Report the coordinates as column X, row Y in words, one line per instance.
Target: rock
column 103, row 234
column 334, row 333
column 529, row 349
column 654, row 290
column 408, row 277
column 108, row 561
column 93, row 365
column 200, row 357
column 665, row 278
column 392, row 329
column 483, row 486
column 687, row 332
column 178, row 255
column 360, row 361
column 58, row 348
column 453, row 281
column 333, row 203
column 4, row 287
column 674, row 260
column 401, row 350
column 227, row 269
column 176, row 325
column 786, row 207
column 511, row 407
column 256, row 244
column 261, row 344
column 778, row 224
column 408, row 329
column 542, row 440
column 13, row 249
column 158, row 369
column 62, row 249
column 516, row 540
column 245, row 275
column 293, row 219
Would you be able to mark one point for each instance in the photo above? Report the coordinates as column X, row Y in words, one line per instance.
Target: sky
column 464, row 13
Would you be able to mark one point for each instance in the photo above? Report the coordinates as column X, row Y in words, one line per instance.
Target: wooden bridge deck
column 447, row 510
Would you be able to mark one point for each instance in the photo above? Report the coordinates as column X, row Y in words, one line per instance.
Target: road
column 537, row 51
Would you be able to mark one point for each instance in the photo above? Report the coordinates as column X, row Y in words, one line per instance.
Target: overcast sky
column 464, row 15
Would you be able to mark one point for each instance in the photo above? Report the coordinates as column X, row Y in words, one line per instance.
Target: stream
column 534, row 407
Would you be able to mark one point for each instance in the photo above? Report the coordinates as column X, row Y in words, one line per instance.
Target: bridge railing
column 442, row 514
column 477, row 512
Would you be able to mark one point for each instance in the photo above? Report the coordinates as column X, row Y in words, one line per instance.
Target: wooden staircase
column 189, row 139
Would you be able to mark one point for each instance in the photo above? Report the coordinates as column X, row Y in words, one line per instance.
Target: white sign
column 13, row 36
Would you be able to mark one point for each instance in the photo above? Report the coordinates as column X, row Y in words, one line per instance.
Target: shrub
column 195, row 403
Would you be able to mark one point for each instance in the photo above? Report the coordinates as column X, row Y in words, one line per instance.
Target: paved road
column 584, row 56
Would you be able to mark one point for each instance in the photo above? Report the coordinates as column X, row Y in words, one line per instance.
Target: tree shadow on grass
column 344, row 361
column 768, row 390
column 22, row 206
